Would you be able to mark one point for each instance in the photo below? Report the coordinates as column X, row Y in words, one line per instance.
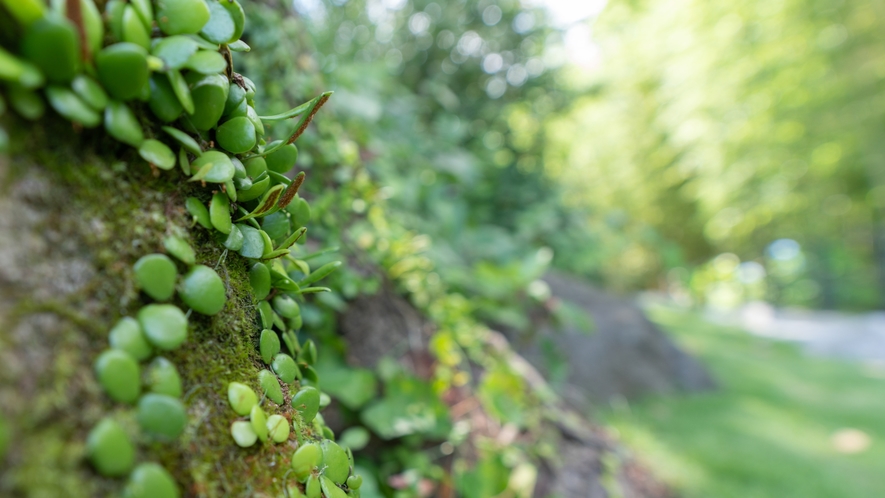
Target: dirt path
column 824, row 333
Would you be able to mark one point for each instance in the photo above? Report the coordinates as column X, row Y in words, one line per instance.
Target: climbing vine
column 159, row 77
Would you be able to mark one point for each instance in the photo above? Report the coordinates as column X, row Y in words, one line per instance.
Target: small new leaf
column 268, row 203
column 319, row 273
column 291, row 239
column 275, row 254
column 313, row 290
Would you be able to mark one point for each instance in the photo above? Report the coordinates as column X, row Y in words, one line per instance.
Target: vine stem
column 74, row 12
column 221, row 259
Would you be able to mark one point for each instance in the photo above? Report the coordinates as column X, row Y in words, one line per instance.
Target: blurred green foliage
column 450, row 100
column 722, row 151
column 372, row 163
column 707, row 128
column 715, row 127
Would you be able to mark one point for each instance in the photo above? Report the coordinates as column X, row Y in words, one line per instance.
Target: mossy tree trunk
column 77, row 211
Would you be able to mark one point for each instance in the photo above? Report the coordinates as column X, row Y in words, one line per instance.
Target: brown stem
column 74, row 12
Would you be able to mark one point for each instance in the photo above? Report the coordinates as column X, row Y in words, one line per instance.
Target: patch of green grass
column 766, row 432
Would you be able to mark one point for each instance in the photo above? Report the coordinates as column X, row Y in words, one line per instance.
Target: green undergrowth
column 767, row 432
column 113, row 210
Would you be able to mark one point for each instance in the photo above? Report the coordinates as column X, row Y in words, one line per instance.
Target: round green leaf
column 239, row 46
column 114, row 13
column 121, row 123
column 307, row 402
column 163, row 378
column 164, row 325
column 219, row 212
column 203, row 290
column 241, row 398
column 235, row 96
column 237, row 16
column 354, row 482
column 145, row 12
column 179, row 248
column 252, row 115
column 243, row 433
column 266, row 314
column 300, row 211
column 270, row 385
column 183, row 161
column 259, row 278
column 330, row 490
column 93, row 26
column 285, row 367
column 209, row 94
column 269, row 344
column 122, row 70
column 239, row 168
column 221, row 27
column 155, row 274
column 178, row 17
column 259, row 422
column 184, row 139
column 134, row 30
column 354, row 438
column 198, row 211
column 90, row 91
column 255, row 167
column 285, row 306
column 119, row 375
column 283, row 159
column 220, row 167
column 268, row 244
column 256, row 190
column 234, row 240
column 128, row 337
column 312, row 488
column 163, row 102
column 157, row 153
column 311, row 375
column 72, row 107
column 336, row 462
column 21, row 72
column 253, row 243
column 237, row 135
column 276, row 225
column 305, row 459
column 278, row 428
column 182, row 91
column 239, row 110
column 308, row 353
column 52, row 44
column 175, row 50
column 109, row 449
column 150, row 480
column 230, row 189
column 25, row 102
column 206, row 62
column 161, row 415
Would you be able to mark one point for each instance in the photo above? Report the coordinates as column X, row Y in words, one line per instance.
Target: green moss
column 115, row 210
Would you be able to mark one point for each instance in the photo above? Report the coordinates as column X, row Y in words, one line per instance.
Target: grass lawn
column 767, row 431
